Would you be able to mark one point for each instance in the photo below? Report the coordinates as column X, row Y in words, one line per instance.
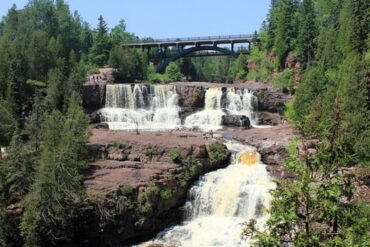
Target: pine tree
column 8, row 124
column 286, row 29
column 353, row 102
column 54, row 91
column 307, row 33
column 35, row 123
column 51, row 206
column 18, row 167
column 99, row 52
column 354, row 26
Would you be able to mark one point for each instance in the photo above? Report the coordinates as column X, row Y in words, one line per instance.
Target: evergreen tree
column 315, row 208
column 99, row 52
column 353, row 102
column 285, row 30
column 54, row 90
column 307, row 33
column 35, row 123
column 18, row 167
column 51, row 205
column 8, row 124
column 354, row 26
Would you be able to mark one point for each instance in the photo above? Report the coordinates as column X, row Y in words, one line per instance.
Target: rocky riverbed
column 138, row 180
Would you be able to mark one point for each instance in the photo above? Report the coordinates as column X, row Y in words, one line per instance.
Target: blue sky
column 170, row 18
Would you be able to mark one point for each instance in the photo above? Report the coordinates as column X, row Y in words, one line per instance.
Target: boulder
column 268, row 118
column 271, row 99
column 101, row 126
column 236, row 120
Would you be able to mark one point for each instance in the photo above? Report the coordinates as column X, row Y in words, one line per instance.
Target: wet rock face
column 271, row 99
column 236, row 120
column 93, row 96
column 191, row 99
column 191, row 96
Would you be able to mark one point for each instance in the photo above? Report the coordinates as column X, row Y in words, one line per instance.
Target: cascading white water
column 219, row 204
column 241, row 102
column 156, row 107
column 210, row 118
column 237, row 102
column 128, row 107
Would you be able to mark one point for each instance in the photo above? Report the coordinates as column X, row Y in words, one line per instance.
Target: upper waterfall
column 141, row 107
column 218, row 103
column 155, row 107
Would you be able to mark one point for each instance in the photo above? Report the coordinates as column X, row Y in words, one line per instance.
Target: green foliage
column 165, row 194
column 173, row 72
column 158, row 78
column 312, row 84
column 217, row 153
column 261, row 67
column 7, row 126
column 130, row 64
column 51, row 205
column 306, row 40
column 127, row 190
column 175, row 155
column 99, row 52
column 18, row 170
column 285, row 80
column 238, row 67
column 118, row 144
column 314, row 209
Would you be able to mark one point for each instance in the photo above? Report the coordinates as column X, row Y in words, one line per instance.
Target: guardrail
column 173, row 40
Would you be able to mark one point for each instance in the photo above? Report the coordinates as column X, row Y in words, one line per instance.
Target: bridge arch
column 162, row 66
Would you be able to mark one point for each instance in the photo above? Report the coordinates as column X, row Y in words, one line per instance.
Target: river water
column 221, row 201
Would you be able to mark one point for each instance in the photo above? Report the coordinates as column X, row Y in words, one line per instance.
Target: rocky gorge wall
column 137, row 188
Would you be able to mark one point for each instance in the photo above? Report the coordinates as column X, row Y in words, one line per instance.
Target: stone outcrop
column 271, row 99
column 191, row 98
column 93, row 96
column 137, row 187
column 268, row 118
column 236, row 120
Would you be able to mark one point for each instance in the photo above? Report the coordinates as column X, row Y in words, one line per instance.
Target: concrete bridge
column 164, row 51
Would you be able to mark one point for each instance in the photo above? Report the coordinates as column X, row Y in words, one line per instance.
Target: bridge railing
column 174, row 40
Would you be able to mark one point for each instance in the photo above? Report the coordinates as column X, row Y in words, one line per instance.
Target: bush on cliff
column 217, row 154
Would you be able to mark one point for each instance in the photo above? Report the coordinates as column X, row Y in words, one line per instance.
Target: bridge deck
column 210, row 40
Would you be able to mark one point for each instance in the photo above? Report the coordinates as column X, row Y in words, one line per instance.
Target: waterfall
column 236, row 102
column 241, row 102
column 155, row 107
column 210, row 118
column 221, row 201
column 141, row 107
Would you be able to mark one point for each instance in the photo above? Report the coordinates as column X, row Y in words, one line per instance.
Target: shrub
column 175, row 155
column 127, row 190
column 217, row 153
column 165, row 194
column 285, row 80
column 173, row 72
column 118, row 144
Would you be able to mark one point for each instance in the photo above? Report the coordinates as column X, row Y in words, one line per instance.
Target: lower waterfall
column 219, row 204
